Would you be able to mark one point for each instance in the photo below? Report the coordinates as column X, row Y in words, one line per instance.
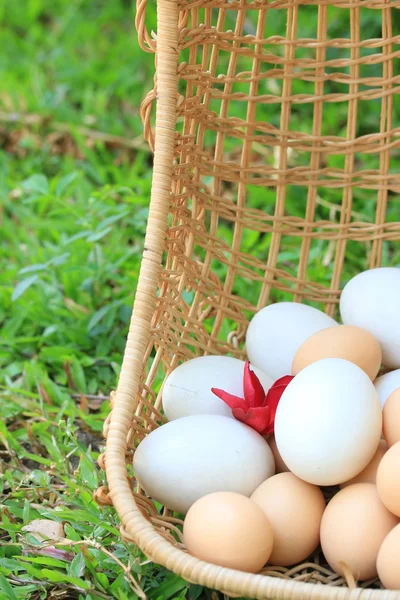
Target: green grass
column 72, row 217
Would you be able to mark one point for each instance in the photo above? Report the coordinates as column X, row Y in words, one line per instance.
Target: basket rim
column 135, row 524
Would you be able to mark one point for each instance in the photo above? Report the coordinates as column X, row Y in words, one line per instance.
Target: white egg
column 277, row 331
column 371, row 300
column 329, row 422
column 186, row 459
column 386, row 384
column 187, row 390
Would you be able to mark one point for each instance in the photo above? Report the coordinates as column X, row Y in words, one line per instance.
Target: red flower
column 256, row 409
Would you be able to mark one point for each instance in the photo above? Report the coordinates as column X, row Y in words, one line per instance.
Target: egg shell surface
column 353, row 527
column 229, row 530
column 368, row 475
column 280, row 466
column 388, row 480
column 391, row 418
column 328, row 422
column 277, row 331
column 294, row 508
column 187, row 390
column 386, row 384
column 388, row 564
column 188, row 458
column 345, row 341
column 371, row 300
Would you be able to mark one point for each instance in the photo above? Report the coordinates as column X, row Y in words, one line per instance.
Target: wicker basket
column 232, row 158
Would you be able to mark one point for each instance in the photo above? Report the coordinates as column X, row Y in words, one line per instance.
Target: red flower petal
column 276, row 390
column 256, row 409
column 259, row 418
column 253, row 391
column 274, row 395
column 229, row 399
column 283, row 381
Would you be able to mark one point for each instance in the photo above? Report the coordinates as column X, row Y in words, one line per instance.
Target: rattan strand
column 209, row 62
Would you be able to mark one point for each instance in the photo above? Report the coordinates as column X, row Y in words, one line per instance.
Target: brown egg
column 294, row 508
column 280, row 466
column 229, row 530
column 391, row 418
column 368, row 475
column 353, row 527
column 346, row 341
column 388, row 560
column 388, row 479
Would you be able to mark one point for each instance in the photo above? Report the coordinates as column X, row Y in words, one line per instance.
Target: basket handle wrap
column 124, row 401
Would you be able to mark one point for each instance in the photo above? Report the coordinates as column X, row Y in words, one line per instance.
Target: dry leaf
column 44, row 529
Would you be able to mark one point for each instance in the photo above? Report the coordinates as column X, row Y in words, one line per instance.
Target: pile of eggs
column 252, row 499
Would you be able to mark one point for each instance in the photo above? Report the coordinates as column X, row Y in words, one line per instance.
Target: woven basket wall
column 246, row 151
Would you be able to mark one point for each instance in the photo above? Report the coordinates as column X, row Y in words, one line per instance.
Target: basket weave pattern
column 233, row 156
